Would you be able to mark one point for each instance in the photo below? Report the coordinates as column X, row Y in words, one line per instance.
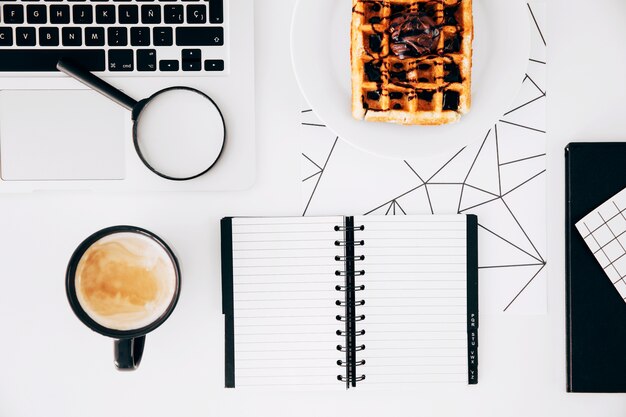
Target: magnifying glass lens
column 179, row 133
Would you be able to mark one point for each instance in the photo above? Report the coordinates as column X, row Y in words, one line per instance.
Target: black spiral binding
column 349, row 303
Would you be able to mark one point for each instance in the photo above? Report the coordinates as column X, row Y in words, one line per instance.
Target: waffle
column 401, row 75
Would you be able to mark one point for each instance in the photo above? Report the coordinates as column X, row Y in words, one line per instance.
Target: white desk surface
column 53, row 366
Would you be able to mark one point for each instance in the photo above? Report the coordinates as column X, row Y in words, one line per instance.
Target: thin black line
column 602, row 249
column 476, row 157
column 415, row 172
column 306, row 111
column 458, row 209
column 445, row 165
column 480, row 204
column 522, row 126
column 522, row 159
column 321, row 175
column 400, row 196
column 495, row 130
column 510, row 266
column 524, row 288
column 614, row 236
column 537, row 61
column 308, row 178
column 469, row 173
column 312, row 161
column 394, row 207
column 522, row 229
column 524, row 105
column 313, row 124
column 535, row 84
column 525, row 182
column 536, row 24
column 429, row 202
column 401, row 209
column 480, row 189
column 510, row 243
column 388, row 209
column 467, row 185
column 621, row 212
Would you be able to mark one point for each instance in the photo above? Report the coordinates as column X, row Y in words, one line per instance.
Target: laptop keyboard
column 119, row 36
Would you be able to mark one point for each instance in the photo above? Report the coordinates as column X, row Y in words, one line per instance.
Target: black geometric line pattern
column 501, row 179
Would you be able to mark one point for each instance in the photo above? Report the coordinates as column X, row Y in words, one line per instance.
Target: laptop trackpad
column 60, row 135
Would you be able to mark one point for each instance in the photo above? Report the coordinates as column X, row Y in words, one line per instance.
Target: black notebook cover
column 596, row 314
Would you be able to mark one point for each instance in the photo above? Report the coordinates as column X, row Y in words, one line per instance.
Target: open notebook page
column 416, row 299
column 284, row 301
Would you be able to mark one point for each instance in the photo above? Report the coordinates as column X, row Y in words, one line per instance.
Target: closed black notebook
column 596, row 314
column 343, row 302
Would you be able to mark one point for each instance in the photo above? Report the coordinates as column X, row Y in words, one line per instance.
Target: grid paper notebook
column 604, row 231
column 341, row 302
column 595, row 310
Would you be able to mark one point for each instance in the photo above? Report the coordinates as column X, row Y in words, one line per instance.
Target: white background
column 53, row 366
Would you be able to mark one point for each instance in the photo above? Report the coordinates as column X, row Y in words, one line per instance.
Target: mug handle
column 128, row 353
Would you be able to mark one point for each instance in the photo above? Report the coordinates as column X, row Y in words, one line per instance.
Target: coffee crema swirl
column 125, row 281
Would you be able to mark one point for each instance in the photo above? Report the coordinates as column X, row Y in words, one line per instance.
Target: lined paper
column 415, row 299
column 284, row 302
column 285, row 312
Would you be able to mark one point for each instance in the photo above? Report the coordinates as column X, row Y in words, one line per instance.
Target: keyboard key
column 168, row 65
column 214, row 65
column 146, row 60
column 82, row 14
column 140, row 36
column 216, row 11
column 121, row 60
column 199, row 36
column 60, row 14
column 150, row 14
column 191, row 54
column 46, row 59
column 192, row 65
column 25, row 36
column 36, row 13
column 94, row 36
column 191, row 59
column 173, row 14
column 118, row 36
column 128, row 14
column 71, row 36
column 163, row 36
column 6, row 36
column 196, row 13
column 13, row 13
column 48, row 36
column 105, row 14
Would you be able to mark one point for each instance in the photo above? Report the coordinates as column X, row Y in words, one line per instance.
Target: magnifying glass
column 178, row 133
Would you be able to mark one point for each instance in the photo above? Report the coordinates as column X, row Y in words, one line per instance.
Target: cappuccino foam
column 125, row 281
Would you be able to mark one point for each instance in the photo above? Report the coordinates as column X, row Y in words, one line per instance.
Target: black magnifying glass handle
column 78, row 72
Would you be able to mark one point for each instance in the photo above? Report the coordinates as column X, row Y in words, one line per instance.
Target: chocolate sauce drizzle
column 413, row 36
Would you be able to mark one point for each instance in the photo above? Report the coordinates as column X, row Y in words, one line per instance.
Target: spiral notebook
column 344, row 302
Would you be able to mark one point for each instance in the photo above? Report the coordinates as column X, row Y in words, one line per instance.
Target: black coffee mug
column 128, row 344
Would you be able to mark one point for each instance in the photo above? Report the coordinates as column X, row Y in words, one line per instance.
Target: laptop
column 57, row 134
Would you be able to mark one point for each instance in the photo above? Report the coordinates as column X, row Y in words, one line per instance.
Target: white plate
column 320, row 51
